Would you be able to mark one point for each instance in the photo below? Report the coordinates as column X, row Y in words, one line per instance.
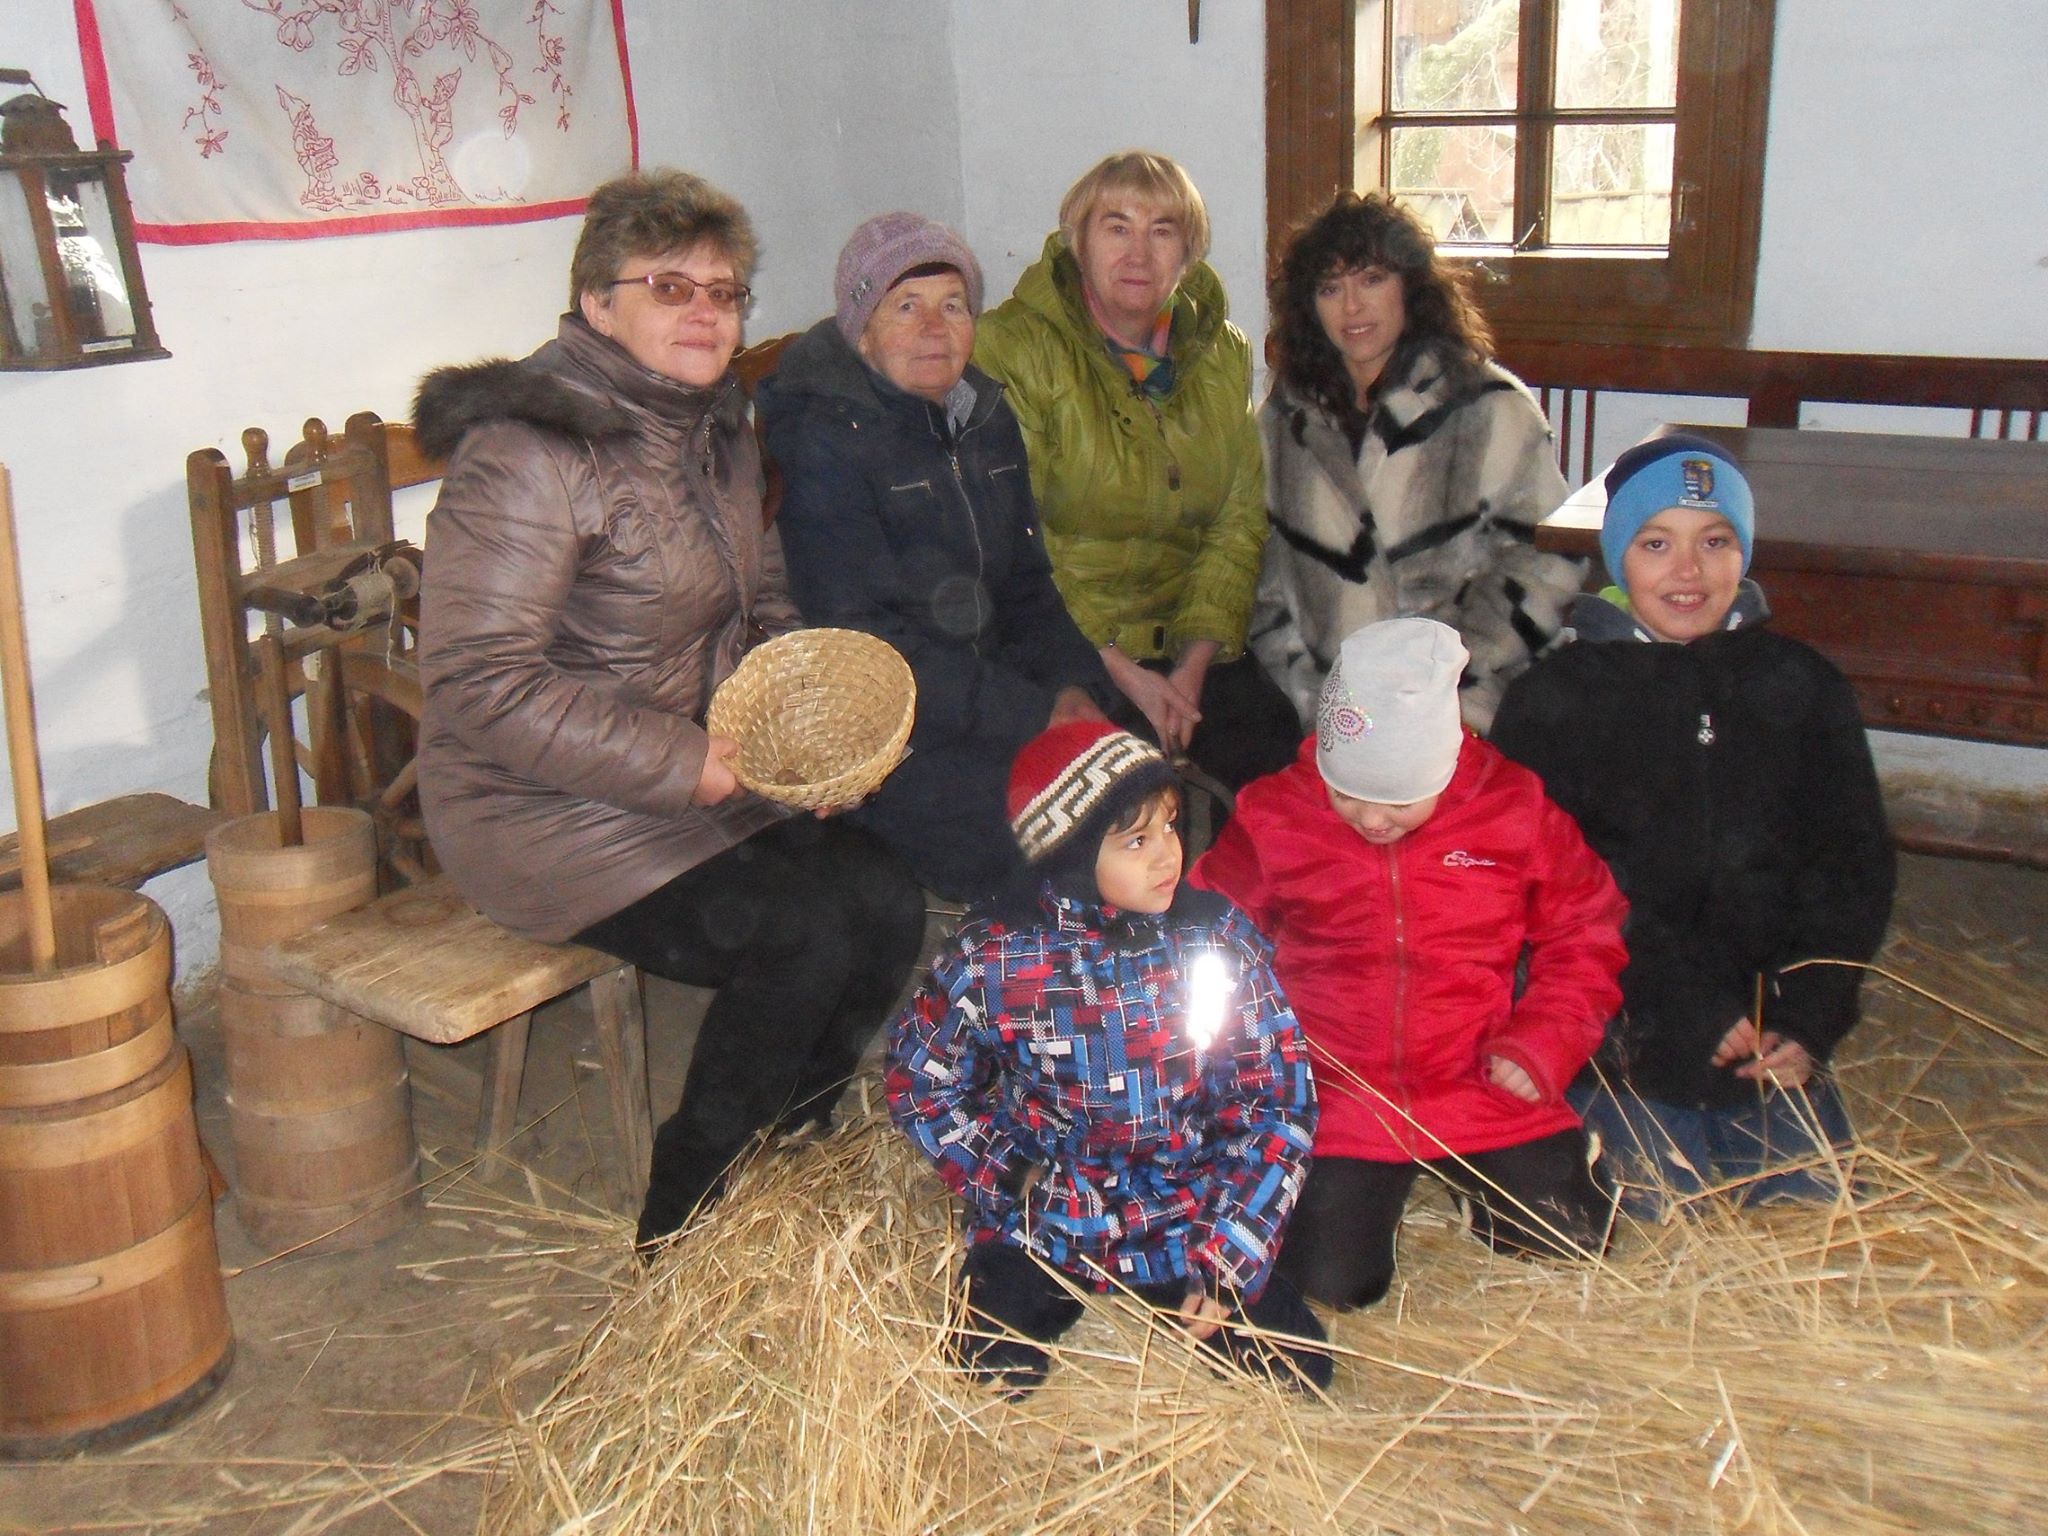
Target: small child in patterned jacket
column 1103, row 1068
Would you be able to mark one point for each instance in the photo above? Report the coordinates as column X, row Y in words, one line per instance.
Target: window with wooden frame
column 1599, row 162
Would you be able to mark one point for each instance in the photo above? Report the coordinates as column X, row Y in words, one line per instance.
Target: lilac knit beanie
column 881, row 251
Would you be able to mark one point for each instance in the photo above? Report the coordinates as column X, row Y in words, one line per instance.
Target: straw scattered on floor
column 1876, row 1366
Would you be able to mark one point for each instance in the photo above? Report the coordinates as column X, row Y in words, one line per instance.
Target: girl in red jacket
column 1452, row 948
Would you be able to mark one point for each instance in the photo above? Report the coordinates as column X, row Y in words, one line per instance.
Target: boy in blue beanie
column 1722, row 770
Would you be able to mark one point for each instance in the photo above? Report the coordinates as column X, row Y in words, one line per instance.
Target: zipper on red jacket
column 1398, row 1028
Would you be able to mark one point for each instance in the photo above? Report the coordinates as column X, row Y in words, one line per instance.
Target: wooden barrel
column 319, row 1102
column 267, row 893
column 113, row 1319
column 320, row 1107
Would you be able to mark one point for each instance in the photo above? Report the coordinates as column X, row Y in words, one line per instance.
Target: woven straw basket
column 821, row 716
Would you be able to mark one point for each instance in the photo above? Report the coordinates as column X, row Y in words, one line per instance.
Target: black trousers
column 1248, row 727
column 1016, row 1306
column 808, row 931
column 1539, row 1198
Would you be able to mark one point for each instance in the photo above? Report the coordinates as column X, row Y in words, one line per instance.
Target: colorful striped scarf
column 1150, row 366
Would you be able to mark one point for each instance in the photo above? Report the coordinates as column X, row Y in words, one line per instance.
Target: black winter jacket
column 897, row 522
column 1728, row 784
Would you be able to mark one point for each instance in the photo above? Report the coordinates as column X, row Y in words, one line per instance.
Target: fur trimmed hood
column 580, row 383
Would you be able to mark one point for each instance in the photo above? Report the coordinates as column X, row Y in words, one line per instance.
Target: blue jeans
column 1773, row 1147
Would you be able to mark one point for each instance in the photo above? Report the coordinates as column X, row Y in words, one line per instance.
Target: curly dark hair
column 1369, row 231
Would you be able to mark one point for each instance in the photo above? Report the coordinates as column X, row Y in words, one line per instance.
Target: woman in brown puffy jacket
column 597, row 563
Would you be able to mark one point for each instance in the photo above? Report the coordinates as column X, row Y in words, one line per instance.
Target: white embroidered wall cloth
column 285, row 119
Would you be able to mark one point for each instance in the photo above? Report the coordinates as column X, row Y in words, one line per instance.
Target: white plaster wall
column 260, row 334
column 1048, row 88
column 1906, row 186
column 814, row 113
column 1905, row 198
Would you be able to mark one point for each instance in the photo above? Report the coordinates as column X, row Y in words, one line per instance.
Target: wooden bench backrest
column 2006, row 397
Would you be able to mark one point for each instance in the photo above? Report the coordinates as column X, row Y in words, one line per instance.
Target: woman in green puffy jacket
column 1134, row 392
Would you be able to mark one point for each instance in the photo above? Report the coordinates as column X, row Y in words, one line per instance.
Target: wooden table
column 1918, row 565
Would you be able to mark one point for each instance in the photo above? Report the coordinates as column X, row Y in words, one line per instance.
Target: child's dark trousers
column 1537, row 1198
column 1016, row 1305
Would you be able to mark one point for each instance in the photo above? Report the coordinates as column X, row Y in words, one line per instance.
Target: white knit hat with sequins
column 1387, row 727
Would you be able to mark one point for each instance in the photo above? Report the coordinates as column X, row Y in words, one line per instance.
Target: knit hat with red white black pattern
column 1070, row 782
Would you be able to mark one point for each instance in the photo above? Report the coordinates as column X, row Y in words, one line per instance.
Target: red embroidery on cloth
column 317, row 117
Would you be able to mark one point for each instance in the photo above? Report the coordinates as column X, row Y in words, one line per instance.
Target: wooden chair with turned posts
column 338, row 598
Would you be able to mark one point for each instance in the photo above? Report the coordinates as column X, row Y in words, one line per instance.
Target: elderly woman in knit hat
column 907, row 512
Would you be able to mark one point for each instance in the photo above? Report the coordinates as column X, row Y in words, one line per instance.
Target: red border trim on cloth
column 626, row 84
column 99, row 100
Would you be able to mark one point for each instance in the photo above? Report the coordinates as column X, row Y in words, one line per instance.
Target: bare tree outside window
column 1447, row 113
column 1600, row 161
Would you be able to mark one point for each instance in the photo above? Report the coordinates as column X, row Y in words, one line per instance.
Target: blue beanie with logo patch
column 1675, row 471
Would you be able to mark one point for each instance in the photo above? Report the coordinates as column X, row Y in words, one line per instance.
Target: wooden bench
column 424, row 962
column 123, row 841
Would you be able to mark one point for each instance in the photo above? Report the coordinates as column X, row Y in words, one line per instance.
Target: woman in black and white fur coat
column 1406, row 471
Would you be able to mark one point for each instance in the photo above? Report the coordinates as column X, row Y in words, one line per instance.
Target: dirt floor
column 389, row 1353
column 353, row 1366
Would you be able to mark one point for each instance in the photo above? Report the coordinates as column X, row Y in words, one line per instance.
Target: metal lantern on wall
column 71, row 293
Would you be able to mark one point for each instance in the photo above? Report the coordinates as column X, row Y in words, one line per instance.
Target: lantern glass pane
column 94, row 288
column 24, row 333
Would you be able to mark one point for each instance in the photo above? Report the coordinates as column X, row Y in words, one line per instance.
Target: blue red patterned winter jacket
column 1066, row 1048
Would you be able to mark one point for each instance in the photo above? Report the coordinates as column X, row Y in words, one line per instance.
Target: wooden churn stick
column 22, row 759
column 284, row 757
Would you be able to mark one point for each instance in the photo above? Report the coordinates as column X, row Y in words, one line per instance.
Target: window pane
column 1460, row 180
column 1617, row 53
column 1369, row 74
column 1611, row 185
column 1451, row 54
